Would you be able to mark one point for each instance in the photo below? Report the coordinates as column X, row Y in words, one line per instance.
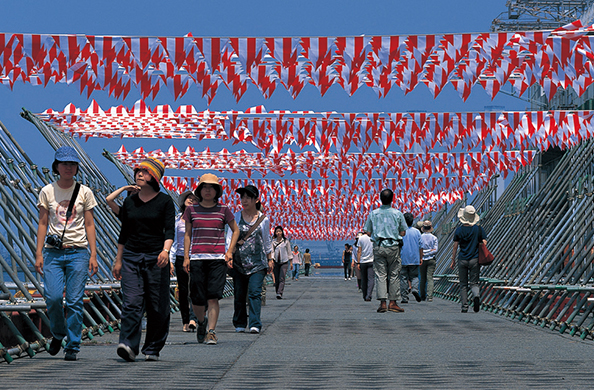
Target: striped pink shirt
column 208, row 231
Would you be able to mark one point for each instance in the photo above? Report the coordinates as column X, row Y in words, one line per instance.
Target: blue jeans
column 295, row 271
column 248, row 288
column 65, row 268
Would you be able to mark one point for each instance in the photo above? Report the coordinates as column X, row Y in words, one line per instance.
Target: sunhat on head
column 468, row 215
column 250, row 190
column 419, row 225
column 154, row 167
column 209, row 178
column 427, row 226
column 66, row 154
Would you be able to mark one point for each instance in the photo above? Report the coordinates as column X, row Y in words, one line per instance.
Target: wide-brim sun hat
column 427, row 226
column 209, row 178
column 468, row 215
column 154, row 167
column 66, row 154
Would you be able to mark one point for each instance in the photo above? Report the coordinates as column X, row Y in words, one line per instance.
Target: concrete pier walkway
column 324, row 336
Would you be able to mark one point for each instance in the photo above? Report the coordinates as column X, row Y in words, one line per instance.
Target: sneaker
column 476, row 304
column 70, row 356
column 404, row 301
column 211, row 338
column 464, row 310
column 429, row 299
column 416, row 295
column 55, row 346
column 125, row 352
column 239, row 330
column 278, row 296
column 253, row 329
column 201, row 332
column 151, row 358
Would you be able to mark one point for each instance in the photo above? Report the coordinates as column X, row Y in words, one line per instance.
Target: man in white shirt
column 364, row 260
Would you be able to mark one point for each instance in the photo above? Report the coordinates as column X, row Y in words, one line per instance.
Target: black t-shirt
column 468, row 238
column 146, row 226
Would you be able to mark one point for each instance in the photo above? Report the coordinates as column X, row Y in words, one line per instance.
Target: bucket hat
column 468, row 215
column 427, row 226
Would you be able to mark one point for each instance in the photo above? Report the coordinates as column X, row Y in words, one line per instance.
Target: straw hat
column 468, row 215
column 427, row 226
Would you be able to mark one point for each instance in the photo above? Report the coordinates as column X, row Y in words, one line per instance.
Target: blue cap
column 66, row 153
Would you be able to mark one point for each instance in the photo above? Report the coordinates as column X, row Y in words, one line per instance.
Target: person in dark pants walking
column 282, row 254
column 307, row 261
column 142, row 262
column 365, row 264
column 347, row 260
column 467, row 237
column 176, row 256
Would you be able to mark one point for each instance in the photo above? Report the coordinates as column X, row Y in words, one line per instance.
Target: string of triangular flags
column 323, row 209
column 351, row 165
column 117, row 64
column 332, row 131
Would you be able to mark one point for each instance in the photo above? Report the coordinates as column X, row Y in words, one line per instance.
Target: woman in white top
column 282, row 254
column 63, row 257
column 295, row 262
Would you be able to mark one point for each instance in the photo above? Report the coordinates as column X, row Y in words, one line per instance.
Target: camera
column 54, row 240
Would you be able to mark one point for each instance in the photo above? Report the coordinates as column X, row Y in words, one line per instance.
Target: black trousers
column 145, row 287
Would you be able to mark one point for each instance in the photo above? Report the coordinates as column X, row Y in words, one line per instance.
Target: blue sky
column 236, row 19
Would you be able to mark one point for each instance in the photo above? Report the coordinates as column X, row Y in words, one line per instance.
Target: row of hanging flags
column 350, row 173
column 116, row 64
column 329, row 209
column 333, row 132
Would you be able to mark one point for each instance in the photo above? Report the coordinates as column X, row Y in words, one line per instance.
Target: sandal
column 192, row 326
column 186, row 328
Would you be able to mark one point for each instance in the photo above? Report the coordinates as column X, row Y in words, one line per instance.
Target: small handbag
column 485, row 257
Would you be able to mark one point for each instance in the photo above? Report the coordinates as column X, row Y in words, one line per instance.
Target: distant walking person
column 142, row 261
column 295, row 262
column 411, row 255
column 307, row 261
column 63, row 256
column 365, row 264
column 282, row 254
column 252, row 260
column 347, row 259
column 386, row 226
column 467, row 237
column 429, row 246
